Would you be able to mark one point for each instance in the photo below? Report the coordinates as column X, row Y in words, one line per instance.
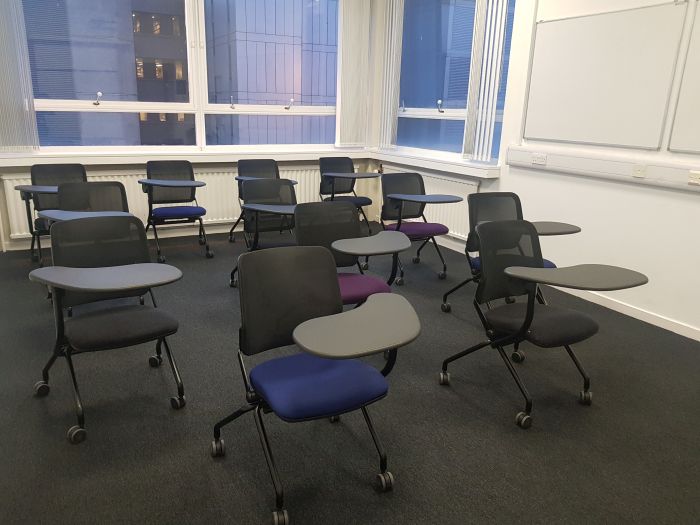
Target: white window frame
column 198, row 104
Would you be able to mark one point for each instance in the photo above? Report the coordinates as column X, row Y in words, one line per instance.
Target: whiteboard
column 606, row 78
column 686, row 125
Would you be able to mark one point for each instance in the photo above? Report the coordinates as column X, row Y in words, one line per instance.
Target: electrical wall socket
column 639, row 171
column 694, row 177
column 539, row 159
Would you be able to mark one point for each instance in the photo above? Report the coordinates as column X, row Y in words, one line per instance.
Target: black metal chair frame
column 333, row 193
column 231, row 233
column 153, row 221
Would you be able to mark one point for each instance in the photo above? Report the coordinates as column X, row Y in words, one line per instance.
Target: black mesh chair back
column 504, row 244
column 281, row 288
column 92, row 196
column 409, row 183
column 54, row 175
column 268, row 191
column 99, row 242
column 170, row 170
column 336, row 165
column 322, row 223
column 491, row 206
column 259, row 168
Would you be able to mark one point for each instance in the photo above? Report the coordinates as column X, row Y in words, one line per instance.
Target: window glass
column 438, row 134
column 269, row 129
column 270, row 51
column 130, row 50
column 65, row 128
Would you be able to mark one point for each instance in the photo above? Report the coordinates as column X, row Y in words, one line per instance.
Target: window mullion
column 475, row 73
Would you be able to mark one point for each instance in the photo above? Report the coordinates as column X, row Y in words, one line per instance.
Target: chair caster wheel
column 585, row 397
column 364, row 266
column 442, row 275
column 202, row 242
column 154, row 361
column 399, row 281
column 218, row 449
column 444, row 378
column 517, row 356
column 416, row 260
column 523, row 420
column 446, row 307
column 280, row 517
column 233, row 283
column 177, row 402
column 384, row 481
column 231, row 238
column 41, row 389
column 76, row 434
column 209, row 254
column 334, row 419
column 161, row 259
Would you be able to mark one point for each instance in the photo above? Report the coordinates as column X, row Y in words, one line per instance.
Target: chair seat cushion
column 420, row 230
column 118, row 327
column 179, row 212
column 355, row 287
column 476, row 264
column 357, row 200
column 551, row 326
column 303, row 386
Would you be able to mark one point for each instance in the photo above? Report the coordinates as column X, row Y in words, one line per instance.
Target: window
column 436, row 68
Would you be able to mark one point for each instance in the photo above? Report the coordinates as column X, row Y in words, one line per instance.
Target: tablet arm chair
column 321, row 223
column 265, row 191
column 258, row 168
column 49, row 175
column 341, row 189
column 322, row 383
column 393, row 210
column 96, row 243
column 516, row 243
column 486, row 207
column 92, row 196
column 188, row 210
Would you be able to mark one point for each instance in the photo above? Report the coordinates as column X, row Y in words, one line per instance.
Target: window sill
column 452, row 163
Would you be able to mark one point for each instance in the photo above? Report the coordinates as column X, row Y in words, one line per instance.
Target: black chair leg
column 585, row 396
column 233, row 282
column 232, row 231
column 228, row 419
column 399, row 280
column 416, row 259
column 279, row 494
column 444, row 375
column 161, row 259
column 179, row 401
column 384, row 481
column 443, row 273
column 445, row 305
column 38, row 250
column 203, row 240
column 369, row 228
column 76, row 434
column 32, row 255
column 522, row 419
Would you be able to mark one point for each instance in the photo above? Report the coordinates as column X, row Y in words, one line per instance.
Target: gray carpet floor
column 456, row 453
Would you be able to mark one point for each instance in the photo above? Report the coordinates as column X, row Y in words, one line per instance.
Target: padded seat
column 303, row 387
column 179, row 212
column 551, row 326
column 476, row 264
column 357, row 200
column 118, row 327
column 355, row 287
column 419, row 229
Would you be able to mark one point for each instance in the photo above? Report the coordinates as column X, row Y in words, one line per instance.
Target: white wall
column 650, row 229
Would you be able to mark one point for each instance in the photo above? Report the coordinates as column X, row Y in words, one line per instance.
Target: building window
column 139, row 68
column 176, row 25
column 143, row 116
column 178, row 70
column 137, row 22
column 156, row 24
column 159, row 70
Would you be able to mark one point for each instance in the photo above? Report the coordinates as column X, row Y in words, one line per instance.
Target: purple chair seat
column 179, row 212
column 355, row 287
column 420, row 230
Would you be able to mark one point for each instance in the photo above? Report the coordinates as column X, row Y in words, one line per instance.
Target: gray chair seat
column 118, row 327
column 551, row 326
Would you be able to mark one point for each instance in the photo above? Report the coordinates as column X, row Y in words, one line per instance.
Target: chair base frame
column 202, row 235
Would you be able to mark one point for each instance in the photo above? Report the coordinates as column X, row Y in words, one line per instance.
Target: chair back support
column 260, row 168
column 279, row 289
column 92, row 196
column 99, row 242
column 268, row 191
column 54, row 175
column 321, row 223
column 491, row 206
column 410, row 183
column 336, row 165
column 504, row 244
column 170, row 170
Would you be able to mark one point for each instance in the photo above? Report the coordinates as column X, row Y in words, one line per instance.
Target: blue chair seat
column 179, row 212
column 358, row 201
column 303, row 387
column 415, row 230
column 476, row 264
